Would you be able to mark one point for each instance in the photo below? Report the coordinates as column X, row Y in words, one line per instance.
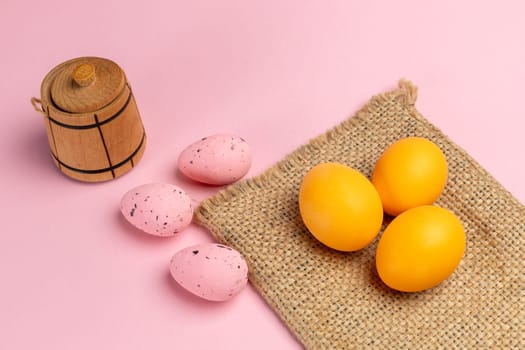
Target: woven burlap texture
column 335, row 300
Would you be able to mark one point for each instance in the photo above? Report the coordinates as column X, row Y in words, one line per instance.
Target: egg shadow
column 139, row 235
column 202, row 304
column 373, row 276
column 186, row 181
column 376, row 282
column 191, row 186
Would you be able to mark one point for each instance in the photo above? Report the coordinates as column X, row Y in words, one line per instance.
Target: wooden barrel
column 93, row 125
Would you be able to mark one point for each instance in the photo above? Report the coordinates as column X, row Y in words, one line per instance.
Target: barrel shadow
column 33, row 148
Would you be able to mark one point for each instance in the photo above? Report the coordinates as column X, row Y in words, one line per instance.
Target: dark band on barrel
column 94, row 125
column 103, row 170
column 105, row 146
column 52, row 137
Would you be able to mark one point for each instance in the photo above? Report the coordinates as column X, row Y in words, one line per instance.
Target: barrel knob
column 84, row 74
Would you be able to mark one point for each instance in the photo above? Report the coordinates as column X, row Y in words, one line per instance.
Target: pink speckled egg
column 216, row 160
column 211, row 271
column 158, row 209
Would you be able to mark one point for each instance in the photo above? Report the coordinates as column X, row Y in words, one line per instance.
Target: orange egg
column 340, row 206
column 420, row 248
column 411, row 172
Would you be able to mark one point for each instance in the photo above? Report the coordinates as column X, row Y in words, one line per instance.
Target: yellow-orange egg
column 420, row 248
column 340, row 206
column 411, row 172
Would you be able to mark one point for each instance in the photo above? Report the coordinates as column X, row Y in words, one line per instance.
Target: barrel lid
column 87, row 84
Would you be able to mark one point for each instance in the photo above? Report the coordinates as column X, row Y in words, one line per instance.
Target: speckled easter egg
column 216, row 160
column 211, row 271
column 158, row 209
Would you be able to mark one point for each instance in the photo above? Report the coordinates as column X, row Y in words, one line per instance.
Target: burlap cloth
column 333, row 300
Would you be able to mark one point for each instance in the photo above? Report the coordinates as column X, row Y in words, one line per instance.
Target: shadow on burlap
column 335, row 300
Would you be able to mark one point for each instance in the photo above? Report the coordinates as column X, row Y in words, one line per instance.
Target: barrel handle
column 37, row 105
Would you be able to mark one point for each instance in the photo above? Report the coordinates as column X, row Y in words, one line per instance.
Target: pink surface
column 75, row 275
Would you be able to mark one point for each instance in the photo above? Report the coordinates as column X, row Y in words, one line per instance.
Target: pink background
column 74, row 275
